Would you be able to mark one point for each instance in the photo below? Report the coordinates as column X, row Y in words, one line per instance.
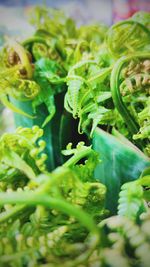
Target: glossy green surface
column 121, row 162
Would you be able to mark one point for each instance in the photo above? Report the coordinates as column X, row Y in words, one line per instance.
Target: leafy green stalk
column 133, row 197
column 47, row 201
column 116, row 95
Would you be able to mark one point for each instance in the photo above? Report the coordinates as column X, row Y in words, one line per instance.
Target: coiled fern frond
column 126, row 244
column 20, row 153
column 133, row 197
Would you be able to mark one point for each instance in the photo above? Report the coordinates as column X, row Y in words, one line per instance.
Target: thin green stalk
column 26, row 198
column 73, row 160
column 29, row 199
column 34, row 39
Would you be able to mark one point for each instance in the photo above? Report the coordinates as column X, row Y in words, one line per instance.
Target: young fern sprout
column 101, row 77
column 34, row 39
column 84, row 82
column 18, row 149
column 63, row 206
column 23, row 58
column 49, row 202
column 133, row 197
column 123, row 38
column 16, row 77
column 126, row 240
column 50, row 191
column 132, row 125
column 38, row 44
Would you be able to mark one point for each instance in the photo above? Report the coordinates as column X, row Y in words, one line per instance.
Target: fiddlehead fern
column 60, row 194
column 132, row 197
column 131, row 201
column 86, row 94
column 19, row 152
column 123, row 38
column 16, row 75
column 132, row 83
column 126, row 240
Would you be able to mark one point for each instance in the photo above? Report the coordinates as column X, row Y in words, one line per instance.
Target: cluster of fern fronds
column 100, row 87
column 59, row 218
column 100, row 76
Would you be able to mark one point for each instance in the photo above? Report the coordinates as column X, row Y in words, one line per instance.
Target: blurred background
column 14, row 22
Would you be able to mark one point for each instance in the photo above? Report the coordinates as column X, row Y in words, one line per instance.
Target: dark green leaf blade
column 120, row 163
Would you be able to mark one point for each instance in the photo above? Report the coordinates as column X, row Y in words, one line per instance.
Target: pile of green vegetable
column 75, row 175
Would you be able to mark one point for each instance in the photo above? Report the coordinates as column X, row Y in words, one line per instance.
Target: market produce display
column 75, row 175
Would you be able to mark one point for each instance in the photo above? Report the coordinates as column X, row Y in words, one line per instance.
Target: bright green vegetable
column 57, row 218
column 55, row 209
column 123, row 37
column 133, row 196
column 60, row 194
column 42, row 61
column 79, row 62
column 137, row 83
column 19, row 153
column 126, row 243
column 39, row 66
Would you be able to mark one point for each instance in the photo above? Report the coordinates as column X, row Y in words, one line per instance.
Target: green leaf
column 121, row 162
column 48, row 74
